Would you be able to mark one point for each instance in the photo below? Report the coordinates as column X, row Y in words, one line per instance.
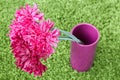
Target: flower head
column 29, row 13
column 31, row 40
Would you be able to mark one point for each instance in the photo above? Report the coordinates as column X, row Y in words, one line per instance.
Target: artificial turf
column 104, row 14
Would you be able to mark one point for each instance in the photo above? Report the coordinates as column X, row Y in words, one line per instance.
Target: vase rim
column 98, row 37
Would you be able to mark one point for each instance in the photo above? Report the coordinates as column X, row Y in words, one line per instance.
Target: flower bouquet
column 33, row 38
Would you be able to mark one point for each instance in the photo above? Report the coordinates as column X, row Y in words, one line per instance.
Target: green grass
column 104, row 14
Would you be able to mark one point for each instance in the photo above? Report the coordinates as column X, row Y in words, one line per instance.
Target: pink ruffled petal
column 32, row 41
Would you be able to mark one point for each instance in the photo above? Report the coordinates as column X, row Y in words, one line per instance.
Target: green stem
column 65, row 38
column 71, row 36
column 68, row 36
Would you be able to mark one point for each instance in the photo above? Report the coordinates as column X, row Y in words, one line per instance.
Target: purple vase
column 82, row 55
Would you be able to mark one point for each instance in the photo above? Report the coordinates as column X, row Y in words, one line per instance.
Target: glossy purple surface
column 82, row 56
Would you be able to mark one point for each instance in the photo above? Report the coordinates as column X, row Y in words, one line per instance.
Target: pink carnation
column 29, row 13
column 31, row 40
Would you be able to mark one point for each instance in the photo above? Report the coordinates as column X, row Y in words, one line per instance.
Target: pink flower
column 29, row 13
column 31, row 40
